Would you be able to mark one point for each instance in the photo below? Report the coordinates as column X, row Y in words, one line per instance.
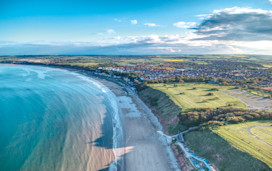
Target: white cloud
column 151, row 25
column 150, row 44
column 204, row 16
column 241, row 10
column 182, row 24
column 226, row 31
column 133, row 21
column 111, row 31
column 270, row 1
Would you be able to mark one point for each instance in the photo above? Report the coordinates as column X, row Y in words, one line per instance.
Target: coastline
column 144, row 148
column 150, row 150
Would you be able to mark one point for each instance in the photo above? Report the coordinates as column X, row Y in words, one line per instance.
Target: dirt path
column 256, row 136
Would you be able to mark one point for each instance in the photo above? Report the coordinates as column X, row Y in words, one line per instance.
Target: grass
column 186, row 97
column 264, row 133
column 220, row 153
column 267, row 65
column 89, row 64
column 173, row 60
column 239, row 137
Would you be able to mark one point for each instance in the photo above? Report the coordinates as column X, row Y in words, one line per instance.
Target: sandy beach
column 144, row 149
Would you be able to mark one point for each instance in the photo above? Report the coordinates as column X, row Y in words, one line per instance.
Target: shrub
column 194, row 117
column 214, row 89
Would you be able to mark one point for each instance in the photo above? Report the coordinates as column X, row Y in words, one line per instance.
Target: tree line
column 207, row 117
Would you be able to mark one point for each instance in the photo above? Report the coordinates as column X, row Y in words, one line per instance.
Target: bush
column 195, row 117
column 214, row 89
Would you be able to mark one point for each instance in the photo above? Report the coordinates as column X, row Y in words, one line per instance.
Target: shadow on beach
column 106, row 139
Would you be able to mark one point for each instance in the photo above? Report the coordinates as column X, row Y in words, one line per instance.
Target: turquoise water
column 52, row 119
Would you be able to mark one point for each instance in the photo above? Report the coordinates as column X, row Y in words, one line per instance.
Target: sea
column 54, row 119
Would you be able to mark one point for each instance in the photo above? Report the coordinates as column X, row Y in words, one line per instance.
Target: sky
column 135, row 27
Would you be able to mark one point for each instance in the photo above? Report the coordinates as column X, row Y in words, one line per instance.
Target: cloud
column 111, row 31
column 239, row 10
column 270, row 1
column 151, row 25
column 204, row 16
column 133, row 21
column 107, row 32
column 182, row 24
column 226, row 31
column 239, row 24
column 136, row 45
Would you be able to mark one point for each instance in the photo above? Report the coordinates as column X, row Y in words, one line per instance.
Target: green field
column 264, row 133
column 220, row 153
column 90, row 64
column 239, row 136
column 191, row 95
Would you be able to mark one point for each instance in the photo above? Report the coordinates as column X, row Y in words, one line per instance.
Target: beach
column 144, row 147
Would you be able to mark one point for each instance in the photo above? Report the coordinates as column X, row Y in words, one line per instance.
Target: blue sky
column 134, row 27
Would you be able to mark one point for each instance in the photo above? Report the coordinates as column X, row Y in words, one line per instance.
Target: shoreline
column 125, row 93
column 144, row 148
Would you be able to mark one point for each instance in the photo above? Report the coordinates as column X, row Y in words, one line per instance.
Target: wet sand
column 144, row 148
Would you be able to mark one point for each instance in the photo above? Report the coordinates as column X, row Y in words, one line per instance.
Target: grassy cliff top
column 193, row 95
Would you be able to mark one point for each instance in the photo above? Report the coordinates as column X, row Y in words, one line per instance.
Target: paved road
column 248, row 129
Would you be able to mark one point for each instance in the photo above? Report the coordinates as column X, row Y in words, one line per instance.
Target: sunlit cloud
column 225, row 31
column 111, row 31
column 151, row 25
column 133, row 21
column 182, row 24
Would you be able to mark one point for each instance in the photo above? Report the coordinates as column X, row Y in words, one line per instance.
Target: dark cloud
column 234, row 25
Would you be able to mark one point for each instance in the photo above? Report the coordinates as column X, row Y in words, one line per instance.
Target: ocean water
column 52, row 119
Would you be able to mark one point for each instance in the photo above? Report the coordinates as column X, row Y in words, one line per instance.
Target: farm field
column 191, row 95
column 250, row 137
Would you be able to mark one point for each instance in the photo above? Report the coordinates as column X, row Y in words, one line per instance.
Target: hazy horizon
column 135, row 28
